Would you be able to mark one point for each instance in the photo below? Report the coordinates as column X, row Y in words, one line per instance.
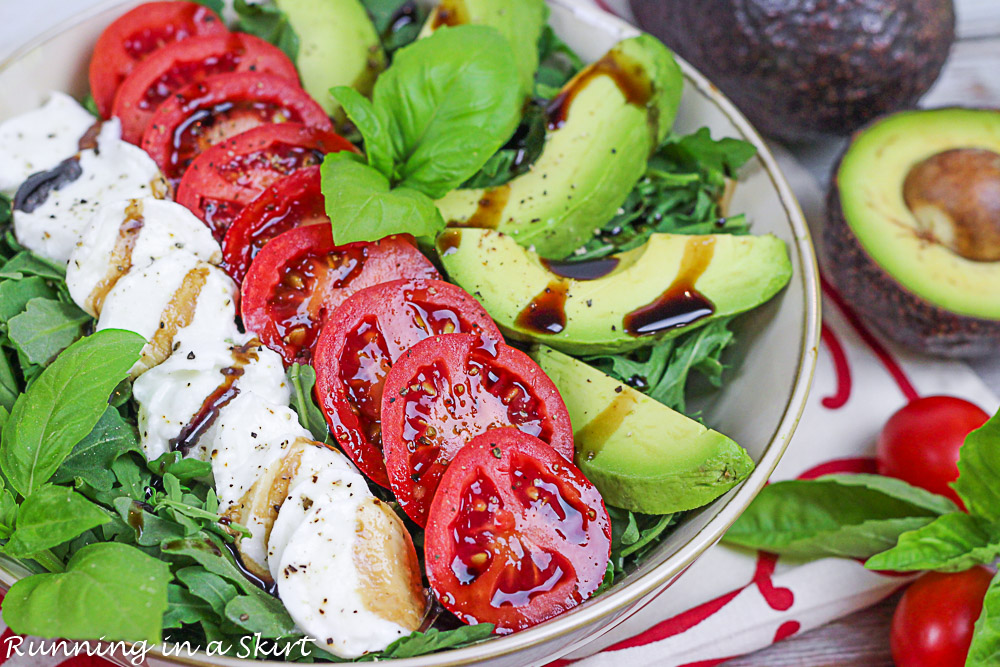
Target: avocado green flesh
column 640, row 454
column 610, row 118
column 735, row 273
column 520, row 21
column 338, row 46
column 870, row 181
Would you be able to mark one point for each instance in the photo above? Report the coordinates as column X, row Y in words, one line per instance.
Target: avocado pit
column 954, row 196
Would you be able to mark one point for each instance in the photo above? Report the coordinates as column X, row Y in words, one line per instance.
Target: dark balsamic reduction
column 89, row 139
column 269, row 588
column 35, row 190
column 587, row 270
column 681, row 304
column 491, row 207
column 218, row 399
column 450, row 13
column 628, row 75
column 546, row 314
column 449, row 241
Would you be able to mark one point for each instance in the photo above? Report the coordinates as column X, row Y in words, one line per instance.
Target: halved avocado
column 640, row 454
column 670, row 284
column 603, row 126
column 912, row 239
column 338, row 46
column 520, row 21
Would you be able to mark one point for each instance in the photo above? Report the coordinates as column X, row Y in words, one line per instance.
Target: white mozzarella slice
column 349, row 576
column 249, row 435
column 132, row 233
column 51, row 225
column 175, row 302
column 40, row 139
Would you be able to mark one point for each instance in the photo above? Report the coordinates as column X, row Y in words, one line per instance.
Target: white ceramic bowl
column 759, row 405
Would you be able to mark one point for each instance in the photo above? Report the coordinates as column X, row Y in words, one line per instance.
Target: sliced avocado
column 912, row 239
column 603, row 126
column 640, row 454
column 338, row 46
column 670, row 284
column 520, row 21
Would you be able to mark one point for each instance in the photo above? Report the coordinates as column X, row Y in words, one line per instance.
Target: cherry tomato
column 230, row 175
column 138, row 33
column 516, row 534
column 933, row 623
column 179, row 64
column 359, row 344
column 446, row 390
column 300, row 277
column 919, row 444
column 208, row 112
column 292, row 201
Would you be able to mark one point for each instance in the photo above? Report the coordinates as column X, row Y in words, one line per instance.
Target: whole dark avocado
column 803, row 69
column 912, row 237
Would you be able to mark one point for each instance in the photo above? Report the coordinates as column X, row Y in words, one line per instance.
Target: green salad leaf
column 398, row 22
column 361, row 112
column 951, row 543
column 46, row 328
column 44, row 426
column 50, row 516
column 985, row 648
column 109, row 590
column 268, row 22
column 979, row 470
column 422, row 643
column 303, row 379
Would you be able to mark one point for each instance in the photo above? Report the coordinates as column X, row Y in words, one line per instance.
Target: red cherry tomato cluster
column 413, row 376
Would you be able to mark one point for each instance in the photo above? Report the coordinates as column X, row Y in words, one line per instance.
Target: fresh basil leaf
column 63, row 406
column 362, row 208
column 26, row 263
column 360, row 111
column 46, row 328
column 398, row 22
column 269, row 23
column 185, row 608
column 109, row 591
column 180, row 468
column 15, row 295
column 255, row 616
column 92, row 457
column 303, row 379
column 951, row 543
column 826, row 517
column 895, row 488
column 979, row 469
column 985, row 648
column 211, row 588
column 449, row 101
column 49, row 516
column 422, row 643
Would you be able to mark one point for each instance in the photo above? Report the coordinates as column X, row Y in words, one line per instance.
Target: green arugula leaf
column 180, row 468
column 633, row 535
column 46, row 328
column 211, row 588
column 183, row 607
column 26, row 263
column 303, row 379
column 90, row 104
column 558, row 63
column 92, row 457
column 360, row 111
column 50, row 516
column 985, row 648
column 726, row 155
column 979, row 469
column 517, row 155
column 951, row 543
column 449, row 102
column 9, row 388
column 269, row 23
column 8, row 512
column 109, row 591
column 15, row 295
column 63, row 406
column 362, row 207
column 255, row 616
column 422, row 643
column 833, row 517
column 150, row 530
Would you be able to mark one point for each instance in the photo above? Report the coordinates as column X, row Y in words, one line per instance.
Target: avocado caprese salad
column 358, row 322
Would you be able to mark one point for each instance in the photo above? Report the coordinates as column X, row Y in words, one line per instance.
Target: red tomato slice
column 230, row 175
column 136, row 34
column 179, row 64
column 516, row 533
column 300, row 277
column 292, row 201
column 208, row 112
column 359, row 344
column 446, row 390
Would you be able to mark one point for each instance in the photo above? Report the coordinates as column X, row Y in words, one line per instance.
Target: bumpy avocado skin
column 887, row 305
column 590, row 162
column 640, row 454
column 801, row 70
column 338, row 46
